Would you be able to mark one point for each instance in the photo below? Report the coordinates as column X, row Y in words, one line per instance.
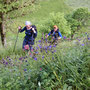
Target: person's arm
column 60, row 35
column 49, row 34
column 34, row 31
column 21, row 30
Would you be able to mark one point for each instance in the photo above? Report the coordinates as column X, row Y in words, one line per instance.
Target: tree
column 7, row 6
column 82, row 15
column 74, row 24
column 77, row 19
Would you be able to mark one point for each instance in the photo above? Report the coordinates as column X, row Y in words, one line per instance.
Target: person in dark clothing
column 31, row 34
column 55, row 33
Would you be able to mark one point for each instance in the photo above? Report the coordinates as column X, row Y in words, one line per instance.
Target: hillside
column 55, row 62
column 78, row 3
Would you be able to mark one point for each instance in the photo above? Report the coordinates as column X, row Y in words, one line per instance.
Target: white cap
column 27, row 23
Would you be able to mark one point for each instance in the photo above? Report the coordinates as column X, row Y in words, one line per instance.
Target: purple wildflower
column 39, row 41
column 42, row 38
column 85, row 32
column 7, row 56
column 78, row 39
column 52, row 58
column 64, row 37
column 20, row 58
column 25, row 70
column 36, row 52
column 50, row 47
column 46, row 47
column 26, row 61
column 54, row 50
column 37, row 48
column 3, row 59
column 35, row 58
column 54, row 46
column 46, row 39
column 82, row 44
column 6, row 63
column 88, row 38
column 46, row 51
column 3, row 62
column 26, row 56
column 42, row 57
column 9, row 59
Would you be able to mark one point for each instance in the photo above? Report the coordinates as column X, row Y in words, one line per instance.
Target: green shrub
column 56, row 19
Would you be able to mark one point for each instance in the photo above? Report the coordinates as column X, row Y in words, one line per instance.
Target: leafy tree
column 74, row 24
column 7, row 6
column 82, row 15
column 77, row 19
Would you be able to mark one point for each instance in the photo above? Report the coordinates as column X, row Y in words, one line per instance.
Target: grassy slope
column 46, row 7
column 42, row 12
column 79, row 3
column 37, row 17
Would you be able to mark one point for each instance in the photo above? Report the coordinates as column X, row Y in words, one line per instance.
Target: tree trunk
column 2, row 30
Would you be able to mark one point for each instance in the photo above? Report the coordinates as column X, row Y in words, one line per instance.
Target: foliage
column 62, row 67
column 82, row 15
column 56, row 19
column 53, row 67
column 78, row 19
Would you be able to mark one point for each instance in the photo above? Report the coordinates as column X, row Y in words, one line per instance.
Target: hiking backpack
column 34, row 36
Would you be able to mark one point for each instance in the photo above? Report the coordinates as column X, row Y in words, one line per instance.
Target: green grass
column 42, row 12
column 47, row 7
column 78, row 3
column 70, row 67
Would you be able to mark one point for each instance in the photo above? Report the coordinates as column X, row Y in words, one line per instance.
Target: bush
column 82, row 15
column 56, row 19
column 78, row 19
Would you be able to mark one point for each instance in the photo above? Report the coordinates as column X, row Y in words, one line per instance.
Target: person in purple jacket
column 31, row 34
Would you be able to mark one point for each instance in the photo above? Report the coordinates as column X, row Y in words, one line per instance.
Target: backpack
column 34, row 35
column 55, row 33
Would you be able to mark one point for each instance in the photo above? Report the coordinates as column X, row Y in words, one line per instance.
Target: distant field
column 43, row 10
column 78, row 3
column 46, row 7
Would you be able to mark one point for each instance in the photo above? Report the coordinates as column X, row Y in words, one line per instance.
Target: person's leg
column 30, row 45
column 24, row 43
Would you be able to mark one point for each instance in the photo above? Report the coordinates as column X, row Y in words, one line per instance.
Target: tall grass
column 52, row 67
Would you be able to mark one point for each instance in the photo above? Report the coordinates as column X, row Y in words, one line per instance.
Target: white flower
column 39, row 84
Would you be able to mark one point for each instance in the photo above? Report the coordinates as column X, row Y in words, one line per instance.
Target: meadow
column 65, row 66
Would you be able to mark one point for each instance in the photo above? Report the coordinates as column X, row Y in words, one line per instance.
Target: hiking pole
column 16, row 41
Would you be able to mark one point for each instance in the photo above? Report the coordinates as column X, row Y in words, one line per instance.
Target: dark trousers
column 28, row 42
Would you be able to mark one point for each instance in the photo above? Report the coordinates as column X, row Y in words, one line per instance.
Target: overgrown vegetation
column 61, row 67
column 49, row 67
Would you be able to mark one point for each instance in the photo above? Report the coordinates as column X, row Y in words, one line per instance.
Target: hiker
column 55, row 33
column 31, row 34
